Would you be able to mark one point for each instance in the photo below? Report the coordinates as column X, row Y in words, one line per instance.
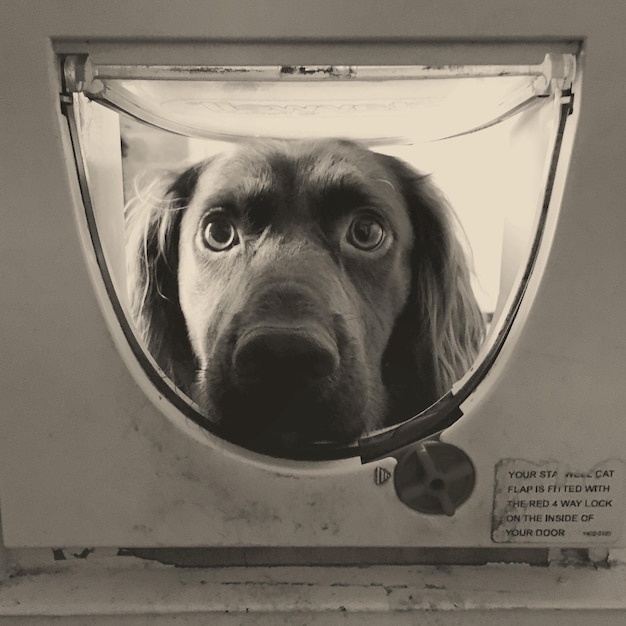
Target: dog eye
column 365, row 233
column 220, row 234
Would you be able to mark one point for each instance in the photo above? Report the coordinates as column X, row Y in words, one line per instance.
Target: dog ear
column 152, row 235
column 442, row 328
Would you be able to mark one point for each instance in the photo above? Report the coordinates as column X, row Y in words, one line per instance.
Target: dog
column 302, row 291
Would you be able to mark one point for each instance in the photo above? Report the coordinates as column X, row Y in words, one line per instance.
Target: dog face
column 303, row 292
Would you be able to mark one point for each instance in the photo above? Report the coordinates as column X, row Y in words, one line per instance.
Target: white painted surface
column 100, row 592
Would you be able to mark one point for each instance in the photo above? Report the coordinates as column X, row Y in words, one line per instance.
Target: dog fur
column 302, row 291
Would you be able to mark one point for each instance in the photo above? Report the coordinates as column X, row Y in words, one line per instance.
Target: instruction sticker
column 547, row 502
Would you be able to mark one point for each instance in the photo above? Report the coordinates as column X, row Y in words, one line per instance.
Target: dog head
column 303, row 291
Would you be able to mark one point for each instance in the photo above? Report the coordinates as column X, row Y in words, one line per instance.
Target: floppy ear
column 152, row 235
column 440, row 332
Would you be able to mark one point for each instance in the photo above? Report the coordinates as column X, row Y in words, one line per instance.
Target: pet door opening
column 307, row 260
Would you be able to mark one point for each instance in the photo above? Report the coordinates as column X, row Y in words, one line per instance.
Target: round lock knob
column 434, row 477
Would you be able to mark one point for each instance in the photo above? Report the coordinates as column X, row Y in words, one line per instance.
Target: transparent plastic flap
column 372, row 104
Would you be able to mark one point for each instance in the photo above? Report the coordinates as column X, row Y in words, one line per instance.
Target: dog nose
column 292, row 354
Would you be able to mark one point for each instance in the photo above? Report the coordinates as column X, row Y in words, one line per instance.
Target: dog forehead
column 297, row 169
column 301, row 183
column 331, row 166
column 240, row 172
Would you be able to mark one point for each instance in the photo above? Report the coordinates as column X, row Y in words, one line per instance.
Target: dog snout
column 298, row 353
